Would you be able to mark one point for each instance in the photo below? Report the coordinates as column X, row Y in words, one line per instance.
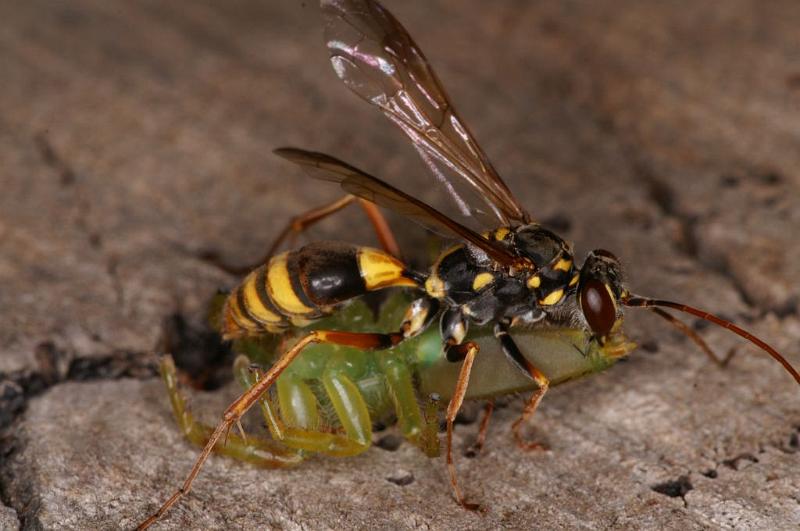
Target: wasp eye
column 598, row 306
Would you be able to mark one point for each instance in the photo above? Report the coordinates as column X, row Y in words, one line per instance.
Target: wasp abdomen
column 299, row 286
column 327, row 274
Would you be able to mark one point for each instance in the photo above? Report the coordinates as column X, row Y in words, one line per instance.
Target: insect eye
column 598, row 306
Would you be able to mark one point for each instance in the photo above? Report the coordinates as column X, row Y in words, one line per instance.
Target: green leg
column 298, row 426
column 253, row 450
column 421, row 430
column 352, row 412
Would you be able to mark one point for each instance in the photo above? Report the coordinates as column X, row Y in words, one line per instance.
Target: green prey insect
column 329, row 398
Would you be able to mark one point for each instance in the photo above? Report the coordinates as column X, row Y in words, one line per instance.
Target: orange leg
column 302, row 222
column 476, row 448
column 511, row 350
column 470, row 349
column 381, row 227
column 530, row 409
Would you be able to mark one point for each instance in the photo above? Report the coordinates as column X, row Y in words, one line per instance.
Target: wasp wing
column 376, row 58
column 372, row 189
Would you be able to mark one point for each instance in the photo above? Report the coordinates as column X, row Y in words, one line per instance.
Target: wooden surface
column 136, row 135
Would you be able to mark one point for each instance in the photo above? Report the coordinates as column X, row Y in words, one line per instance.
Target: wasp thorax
column 599, row 289
column 539, row 245
column 552, row 260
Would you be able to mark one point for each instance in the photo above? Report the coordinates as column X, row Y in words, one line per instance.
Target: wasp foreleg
column 453, row 328
column 511, row 350
column 467, row 351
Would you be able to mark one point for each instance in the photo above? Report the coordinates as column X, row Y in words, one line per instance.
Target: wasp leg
column 511, row 350
column 241, row 405
column 381, row 227
column 476, row 448
column 260, row 452
column 467, row 351
column 453, row 328
column 300, row 223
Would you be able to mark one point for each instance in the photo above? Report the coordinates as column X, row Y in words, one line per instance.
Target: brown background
column 134, row 135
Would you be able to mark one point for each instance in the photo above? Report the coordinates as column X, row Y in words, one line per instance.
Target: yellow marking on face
column 435, row 287
column 481, row 280
column 381, row 270
column 574, row 279
column 501, row 234
column 563, row 265
column 552, row 298
column 534, row 282
column 253, row 303
column 611, row 295
column 279, row 287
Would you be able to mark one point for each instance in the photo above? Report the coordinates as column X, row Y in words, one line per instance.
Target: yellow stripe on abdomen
column 253, row 304
column 235, row 321
column 381, row 270
column 279, row 287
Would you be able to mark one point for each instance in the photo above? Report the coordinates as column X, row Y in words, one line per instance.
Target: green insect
column 515, row 312
column 330, row 397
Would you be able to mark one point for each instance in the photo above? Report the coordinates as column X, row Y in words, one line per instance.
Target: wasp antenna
column 642, row 302
column 691, row 334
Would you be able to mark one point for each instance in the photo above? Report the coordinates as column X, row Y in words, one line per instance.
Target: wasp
column 515, row 312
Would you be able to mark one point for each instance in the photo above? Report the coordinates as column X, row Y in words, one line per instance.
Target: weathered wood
column 134, row 135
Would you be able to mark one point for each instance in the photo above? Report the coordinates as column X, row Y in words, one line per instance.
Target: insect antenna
column 642, row 302
column 691, row 334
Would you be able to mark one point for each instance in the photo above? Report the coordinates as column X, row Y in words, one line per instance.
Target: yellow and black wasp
column 515, row 277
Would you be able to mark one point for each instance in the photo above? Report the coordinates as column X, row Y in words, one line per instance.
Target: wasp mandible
column 513, row 277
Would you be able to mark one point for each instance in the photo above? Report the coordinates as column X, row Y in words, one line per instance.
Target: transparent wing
column 357, row 182
column 377, row 59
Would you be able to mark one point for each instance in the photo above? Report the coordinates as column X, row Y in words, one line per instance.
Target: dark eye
column 599, row 308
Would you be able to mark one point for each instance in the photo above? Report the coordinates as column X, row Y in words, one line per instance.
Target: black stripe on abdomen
column 328, row 272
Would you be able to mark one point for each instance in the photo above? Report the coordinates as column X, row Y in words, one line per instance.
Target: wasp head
column 599, row 292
